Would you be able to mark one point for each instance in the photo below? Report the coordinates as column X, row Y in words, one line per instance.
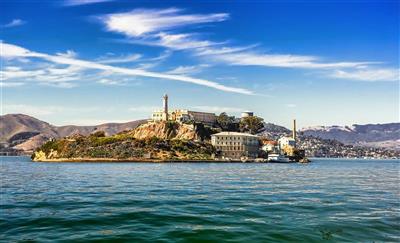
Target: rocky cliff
column 165, row 130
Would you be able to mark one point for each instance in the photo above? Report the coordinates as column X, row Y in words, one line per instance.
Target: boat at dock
column 278, row 158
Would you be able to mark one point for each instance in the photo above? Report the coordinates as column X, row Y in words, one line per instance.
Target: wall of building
column 183, row 115
column 236, row 146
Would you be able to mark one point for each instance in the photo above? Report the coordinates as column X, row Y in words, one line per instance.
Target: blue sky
column 95, row 61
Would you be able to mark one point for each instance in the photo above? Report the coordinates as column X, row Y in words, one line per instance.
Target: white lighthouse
column 165, row 108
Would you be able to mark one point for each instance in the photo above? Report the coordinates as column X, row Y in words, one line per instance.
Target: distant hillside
column 26, row 133
column 373, row 135
column 273, row 131
column 18, row 126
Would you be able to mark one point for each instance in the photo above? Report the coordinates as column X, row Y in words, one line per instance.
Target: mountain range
column 370, row 135
column 26, row 133
column 23, row 132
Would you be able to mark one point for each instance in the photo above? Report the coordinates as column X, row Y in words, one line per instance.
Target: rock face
column 373, row 135
column 26, row 133
column 164, row 130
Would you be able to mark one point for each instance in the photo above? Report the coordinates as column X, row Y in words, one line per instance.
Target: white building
column 286, row 141
column 235, row 145
column 247, row 114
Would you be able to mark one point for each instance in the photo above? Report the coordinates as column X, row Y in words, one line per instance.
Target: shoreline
column 135, row 160
column 142, row 160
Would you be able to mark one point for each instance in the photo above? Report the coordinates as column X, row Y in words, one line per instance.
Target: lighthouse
column 165, row 108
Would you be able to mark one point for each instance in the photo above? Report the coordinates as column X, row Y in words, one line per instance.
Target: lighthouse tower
column 165, row 108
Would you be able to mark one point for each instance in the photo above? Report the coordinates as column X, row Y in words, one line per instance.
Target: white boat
column 278, row 158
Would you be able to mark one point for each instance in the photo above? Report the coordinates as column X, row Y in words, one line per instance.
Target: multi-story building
column 235, row 145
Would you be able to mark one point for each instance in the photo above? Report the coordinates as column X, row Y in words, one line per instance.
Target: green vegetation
column 124, row 146
column 251, row 124
column 227, row 123
column 204, row 132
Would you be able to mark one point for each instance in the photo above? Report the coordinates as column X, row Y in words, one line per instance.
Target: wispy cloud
column 68, row 53
column 185, row 70
column 14, row 23
column 120, row 59
column 368, row 74
column 83, row 2
column 144, row 21
column 46, row 74
column 13, row 51
column 157, row 27
column 106, row 81
column 163, row 27
column 173, row 41
column 236, row 56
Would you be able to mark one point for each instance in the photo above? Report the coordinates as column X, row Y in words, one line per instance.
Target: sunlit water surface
column 327, row 200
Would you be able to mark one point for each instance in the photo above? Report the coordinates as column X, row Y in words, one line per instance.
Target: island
column 151, row 142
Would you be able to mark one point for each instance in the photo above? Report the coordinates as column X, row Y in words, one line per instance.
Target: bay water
column 328, row 200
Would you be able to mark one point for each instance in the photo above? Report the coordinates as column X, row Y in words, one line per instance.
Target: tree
column 251, row 124
column 227, row 123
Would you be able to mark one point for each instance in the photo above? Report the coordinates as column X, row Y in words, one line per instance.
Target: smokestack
column 294, row 129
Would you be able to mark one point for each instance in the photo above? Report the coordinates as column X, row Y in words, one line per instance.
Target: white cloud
column 161, row 27
column 179, row 41
column 371, row 75
column 14, row 23
column 244, row 57
column 13, row 51
column 44, row 73
column 68, row 53
column 16, row 51
column 83, row 2
column 106, row 81
column 121, row 59
column 185, row 70
column 144, row 21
